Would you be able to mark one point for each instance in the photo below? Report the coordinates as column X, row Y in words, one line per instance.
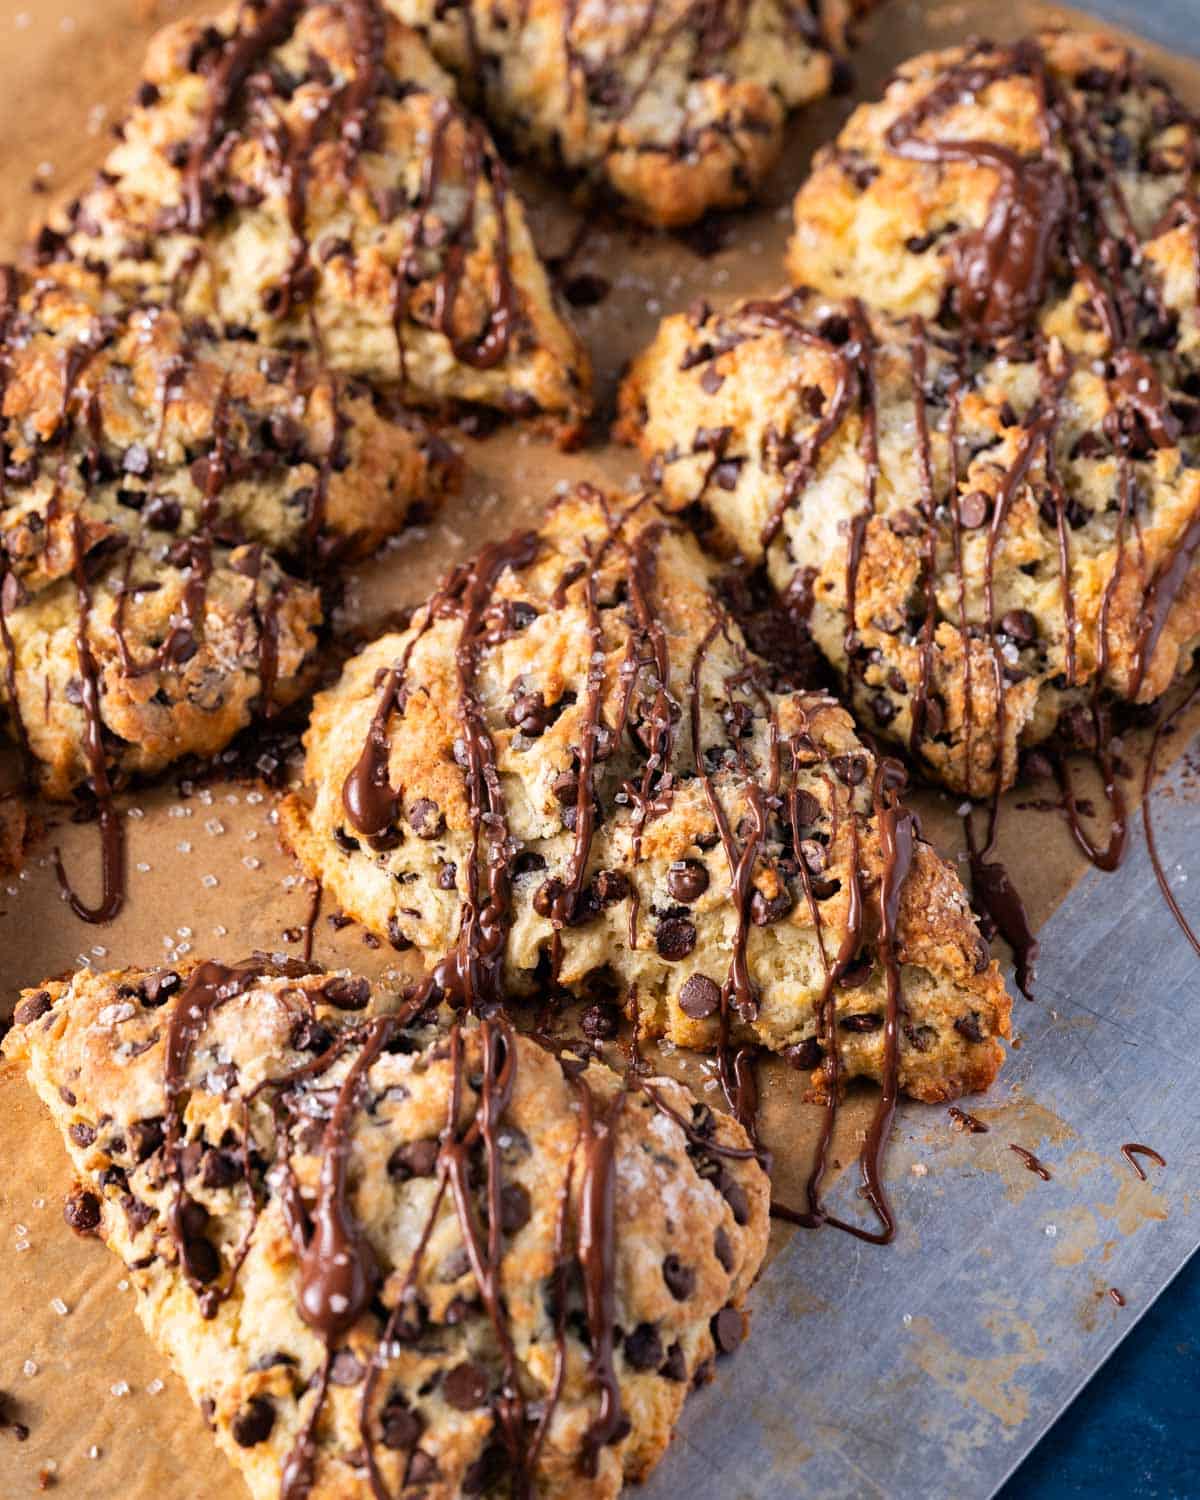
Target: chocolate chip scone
column 386, row 1265
column 146, row 428
column 121, row 672
column 978, row 544
column 571, row 767
column 996, row 186
column 301, row 173
column 676, row 106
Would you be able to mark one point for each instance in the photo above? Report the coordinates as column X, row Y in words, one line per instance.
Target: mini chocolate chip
column 723, row 1249
column 764, row 911
column 674, row 1367
column 643, row 1347
column 425, row 818
column 600, row 1022
column 201, row 1261
column 680, row 1279
column 974, row 509
column 310, row 1036
column 711, row 380
column 253, row 1424
column 400, row 1427
column 346, row 1368
column 147, row 93
column 145, row 1137
column 81, row 1210
column 1019, row 626
column 808, row 809
column 865, row 1021
column 31, row 1008
column 162, row 513
column 675, row 938
column 565, row 787
column 346, row 993
column 849, row 769
column 82, row 1134
column 413, row 1159
column 466, row 1387
column 735, row 1195
column 528, row 863
column 728, row 1330
column 219, row 1169
column 920, row 1038
column 610, row 887
column 422, row 1468
column 515, row 1207
column 883, row 708
column 968, row 1026
column 396, row 935
column 804, row 1055
column 699, row 997
column 687, row 880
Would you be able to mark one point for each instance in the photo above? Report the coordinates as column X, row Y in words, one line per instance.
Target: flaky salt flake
column 154, row 1387
column 59, row 1306
column 29, row 1368
column 1051, row 1231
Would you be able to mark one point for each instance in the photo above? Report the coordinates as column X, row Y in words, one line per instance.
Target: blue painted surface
column 1134, row 1433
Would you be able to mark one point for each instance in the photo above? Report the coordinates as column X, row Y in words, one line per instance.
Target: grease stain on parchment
column 987, row 1381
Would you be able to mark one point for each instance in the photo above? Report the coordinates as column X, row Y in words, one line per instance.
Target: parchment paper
column 106, row 1416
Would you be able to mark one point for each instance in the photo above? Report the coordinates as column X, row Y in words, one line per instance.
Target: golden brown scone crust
column 533, row 684
column 185, row 648
column 147, row 428
column 730, row 411
column 690, row 1229
column 676, row 106
column 346, row 204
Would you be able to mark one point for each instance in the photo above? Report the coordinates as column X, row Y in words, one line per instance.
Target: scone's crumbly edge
column 439, row 1265
column 983, row 495
column 301, row 173
column 675, row 106
column 571, row 768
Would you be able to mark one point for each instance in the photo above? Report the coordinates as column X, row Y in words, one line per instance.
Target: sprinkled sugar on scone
column 385, row 1265
column 147, row 429
column 570, row 766
column 301, row 172
column 677, row 106
column 973, row 599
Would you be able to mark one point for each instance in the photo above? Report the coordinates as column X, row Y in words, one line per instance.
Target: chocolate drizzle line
column 112, row 837
column 1132, row 1150
column 1160, row 874
column 1032, row 1163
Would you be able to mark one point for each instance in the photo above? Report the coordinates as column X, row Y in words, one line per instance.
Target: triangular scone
column 969, row 615
column 571, row 767
column 301, row 173
column 144, row 429
column 151, row 659
column 992, row 183
column 387, row 1267
column 676, row 107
